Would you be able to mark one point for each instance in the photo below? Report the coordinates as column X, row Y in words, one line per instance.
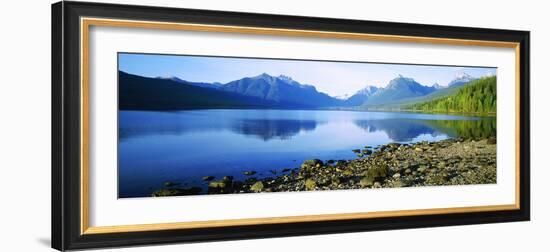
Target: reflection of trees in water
column 399, row 130
column 404, row 130
column 268, row 129
column 482, row 128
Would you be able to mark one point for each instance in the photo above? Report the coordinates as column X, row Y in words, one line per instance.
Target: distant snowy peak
column 360, row 97
column 402, row 82
column 460, row 79
column 266, row 76
column 463, row 75
column 368, row 90
column 342, row 97
column 437, row 86
column 285, row 78
column 290, row 81
column 276, row 80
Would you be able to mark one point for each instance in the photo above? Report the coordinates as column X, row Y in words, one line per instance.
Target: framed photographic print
column 179, row 125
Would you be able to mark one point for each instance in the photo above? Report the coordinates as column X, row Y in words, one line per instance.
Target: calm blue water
column 183, row 146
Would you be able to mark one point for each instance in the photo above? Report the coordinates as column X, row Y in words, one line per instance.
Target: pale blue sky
column 333, row 78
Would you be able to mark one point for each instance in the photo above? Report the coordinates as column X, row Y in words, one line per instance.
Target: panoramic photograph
column 200, row 125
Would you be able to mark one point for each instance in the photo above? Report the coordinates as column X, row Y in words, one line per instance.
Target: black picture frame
column 66, row 125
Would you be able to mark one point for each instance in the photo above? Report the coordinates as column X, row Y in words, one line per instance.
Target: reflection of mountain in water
column 271, row 129
column 405, row 130
column 139, row 124
column 272, row 125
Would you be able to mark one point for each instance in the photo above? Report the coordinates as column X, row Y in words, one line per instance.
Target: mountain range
column 281, row 89
column 267, row 91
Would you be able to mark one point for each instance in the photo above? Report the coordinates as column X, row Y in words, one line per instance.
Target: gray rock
column 171, row 184
column 208, row 178
column 176, row 192
column 310, row 184
column 312, row 163
column 257, row 187
column 366, row 181
column 218, row 184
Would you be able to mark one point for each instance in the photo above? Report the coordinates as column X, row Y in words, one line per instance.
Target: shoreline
column 431, row 112
column 447, row 162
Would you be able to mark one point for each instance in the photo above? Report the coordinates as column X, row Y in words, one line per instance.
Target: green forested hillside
column 478, row 96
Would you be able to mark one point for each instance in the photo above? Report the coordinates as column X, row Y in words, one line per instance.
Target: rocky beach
column 456, row 161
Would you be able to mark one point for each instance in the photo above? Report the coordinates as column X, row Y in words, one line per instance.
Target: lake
column 184, row 146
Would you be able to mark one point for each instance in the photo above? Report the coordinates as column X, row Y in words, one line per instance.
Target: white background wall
column 25, row 124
